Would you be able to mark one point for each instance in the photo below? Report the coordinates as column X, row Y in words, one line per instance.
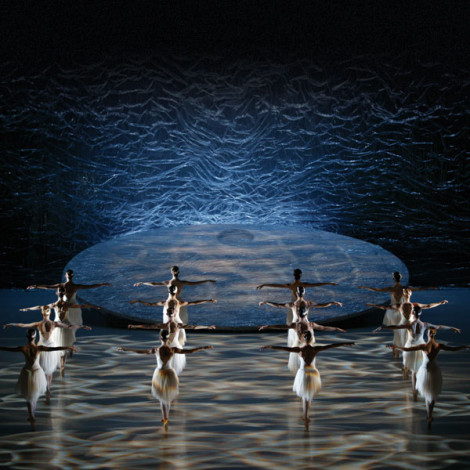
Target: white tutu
column 183, row 311
column 63, row 336
column 429, row 379
column 400, row 336
column 413, row 359
column 391, row 317
column 291, row 338
column 49, row 360
column 75, row 314
column 177, row 318
column 165, row 383
column 32, row 382
column 307, row 382
column 178, row 361
column 294, row 359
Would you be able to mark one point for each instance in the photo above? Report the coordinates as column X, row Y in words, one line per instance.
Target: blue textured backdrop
column 372, row 145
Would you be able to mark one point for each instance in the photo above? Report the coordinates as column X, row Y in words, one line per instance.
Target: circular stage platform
column 239, row 258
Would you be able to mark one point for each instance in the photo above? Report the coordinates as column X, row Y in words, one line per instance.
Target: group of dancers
column 57, row 337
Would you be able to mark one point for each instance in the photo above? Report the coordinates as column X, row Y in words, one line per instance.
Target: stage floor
column 236, row 408
column 239, row 257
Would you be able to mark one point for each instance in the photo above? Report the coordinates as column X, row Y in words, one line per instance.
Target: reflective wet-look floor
column 236, row 409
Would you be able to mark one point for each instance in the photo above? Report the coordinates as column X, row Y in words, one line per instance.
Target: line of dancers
column 56, row 339
column 402, row 316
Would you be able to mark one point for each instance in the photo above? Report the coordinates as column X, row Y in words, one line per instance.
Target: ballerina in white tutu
column 176, row 305
column 179, row 284
column 416, row 328
column 429, row 377
column 49, row 361
column 307, row 382
column 397, row 297
column 178, row 362
column 296, row 283
column 32, row 382
column 75, row 312
column 165, row 382
column 64, row 336
column 405, row 310
column 299, row 328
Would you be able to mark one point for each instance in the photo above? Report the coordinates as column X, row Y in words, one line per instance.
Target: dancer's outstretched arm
column 36, row 307
column 138, row 284
column 393, row 327
column 442, row 327
column 138, row 351
column 190, row 351
column 275, row 304
column 282, row 348
column 419, row 347
column 277, row 327
column 318, row 327
column 324, row 305
column 196, row 327
column 92, row 286
column 196, row 283
column 318, row 284
column 432, row 305
column 45, row 286
column 278, row 286
column 333, row 345
column 157, row 326
column 57, row 348
column 197, row 302
column 149, row 304
column 22, row 325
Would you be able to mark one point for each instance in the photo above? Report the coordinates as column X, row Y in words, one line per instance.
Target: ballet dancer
column 63, row 336
column 178, row 362
column 299, row 328
column 49, row 361
column 416, row 328
column 174, row 303
column 296, row 283
column 179, row 284
column 299, row 301
column 75, row 313
column 404, row 311
column 32, row 382
column 307, row 382
column 429, row 377
column 165, row 382
column 397, row 291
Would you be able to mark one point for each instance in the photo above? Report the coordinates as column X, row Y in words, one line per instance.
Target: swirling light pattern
column 236, row 409
column 369, row 147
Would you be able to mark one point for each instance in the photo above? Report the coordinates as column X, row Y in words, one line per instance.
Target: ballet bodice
column 418, row 333
column 394, row 300
column 65, row 312
column 160, row 364
column 34, row 366
column 312, row 366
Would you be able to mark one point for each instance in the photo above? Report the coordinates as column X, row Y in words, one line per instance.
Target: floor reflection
column 236, row 409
